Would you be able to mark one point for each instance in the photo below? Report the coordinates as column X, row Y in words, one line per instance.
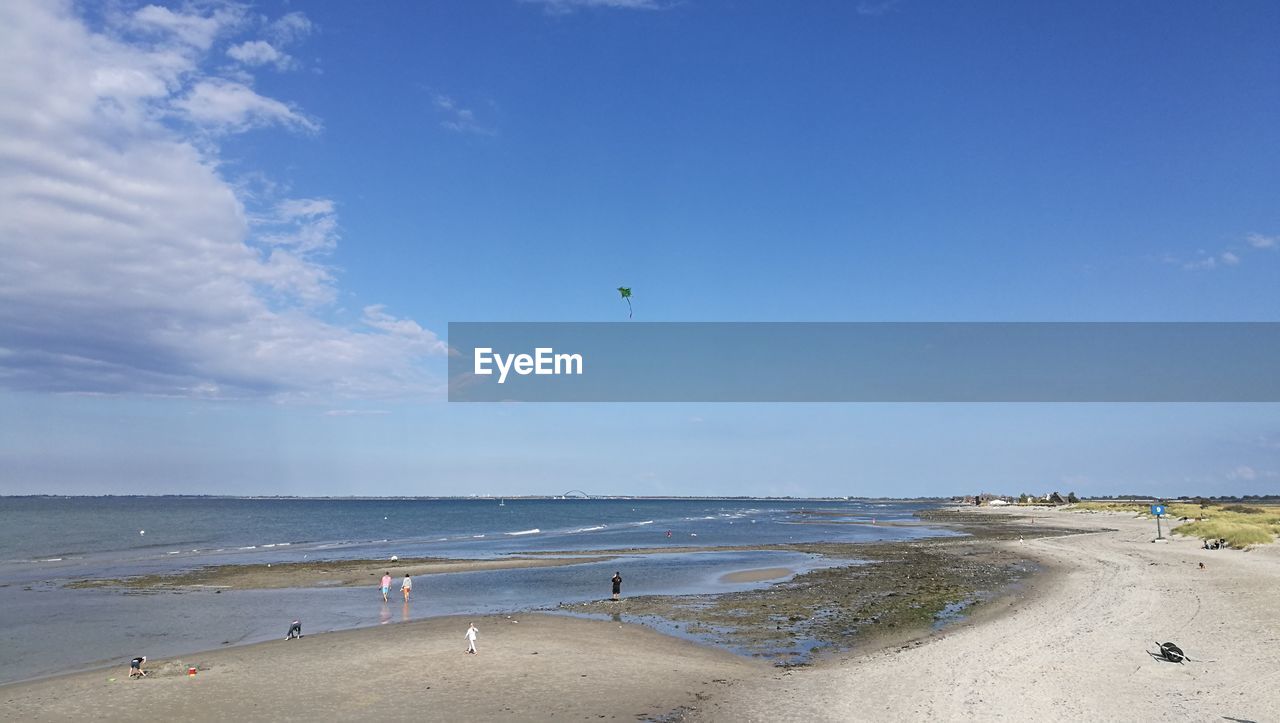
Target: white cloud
column 356, row 412
column 194, row 29
column 1243, row 472
column 260, row 52
column 1229, row 257
column 1205, row 263
column 302, row 224
column 290, row 28
column 564, row 7
column 406, row 329
column 229, row 106
column 128, row 264
column 292, row 209
column 877, row 8
column 458, row 119
column 1258, row 241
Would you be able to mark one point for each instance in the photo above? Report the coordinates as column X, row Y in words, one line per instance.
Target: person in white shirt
column 471, row 637
column 406, row 586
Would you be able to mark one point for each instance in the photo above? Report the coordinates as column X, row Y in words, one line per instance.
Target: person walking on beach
column 135, row 667
column 406, row 586
column 386, row 586
column 471, row 638
column 617, row 584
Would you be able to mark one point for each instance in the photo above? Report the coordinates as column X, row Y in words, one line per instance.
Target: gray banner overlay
column 864, row 362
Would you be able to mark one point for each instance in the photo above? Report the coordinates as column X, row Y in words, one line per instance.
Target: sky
column 232, row 235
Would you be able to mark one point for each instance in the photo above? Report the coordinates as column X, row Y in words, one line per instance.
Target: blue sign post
column 1158, row 512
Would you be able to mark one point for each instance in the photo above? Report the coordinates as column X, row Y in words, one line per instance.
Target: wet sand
column 869, row 595
column 759, row 575
column 342, row 573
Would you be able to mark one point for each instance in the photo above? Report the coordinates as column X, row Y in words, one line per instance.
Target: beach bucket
column 191, row 672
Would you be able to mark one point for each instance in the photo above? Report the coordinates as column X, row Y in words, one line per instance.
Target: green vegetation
column 1237, row 534
column 1240, row 525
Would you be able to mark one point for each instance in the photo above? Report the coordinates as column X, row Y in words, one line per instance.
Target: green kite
column 625, row 293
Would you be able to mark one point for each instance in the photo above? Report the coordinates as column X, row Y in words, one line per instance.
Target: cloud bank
column 128, row 264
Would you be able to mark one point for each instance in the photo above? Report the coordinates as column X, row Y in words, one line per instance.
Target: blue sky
column 232, row 235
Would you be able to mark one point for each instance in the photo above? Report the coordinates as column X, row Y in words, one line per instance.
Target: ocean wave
column 332, row 545
column 591, row 529
column 646, row 522
column 534, row 531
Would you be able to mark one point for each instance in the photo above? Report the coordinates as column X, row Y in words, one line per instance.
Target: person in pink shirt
column 386, row 585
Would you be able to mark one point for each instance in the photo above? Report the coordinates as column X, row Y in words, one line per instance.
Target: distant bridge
column 576, row 494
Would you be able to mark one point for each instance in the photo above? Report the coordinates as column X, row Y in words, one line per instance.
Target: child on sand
column 386, row 585
column 135, row 667
column 406, row 586
column 295, row 630
column 471, row 638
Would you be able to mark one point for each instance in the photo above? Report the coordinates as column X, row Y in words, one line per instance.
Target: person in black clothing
column 617, row 584
column 135, row 667
column 295, row 630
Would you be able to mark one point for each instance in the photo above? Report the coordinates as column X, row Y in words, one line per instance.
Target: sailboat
column 502, row 502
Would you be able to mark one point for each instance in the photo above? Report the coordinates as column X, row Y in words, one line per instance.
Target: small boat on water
column 502, row 502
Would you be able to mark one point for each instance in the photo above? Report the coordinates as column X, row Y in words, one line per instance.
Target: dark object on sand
column 1170, row 653
column 295, row 630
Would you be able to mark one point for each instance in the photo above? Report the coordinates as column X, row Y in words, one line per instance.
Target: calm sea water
column 46, row 627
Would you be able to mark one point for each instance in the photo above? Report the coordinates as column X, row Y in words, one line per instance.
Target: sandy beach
column 1070, row 643
column 539, row 668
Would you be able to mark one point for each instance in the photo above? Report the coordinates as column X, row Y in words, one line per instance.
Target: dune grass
column 1240, row 525
column 1237, row 534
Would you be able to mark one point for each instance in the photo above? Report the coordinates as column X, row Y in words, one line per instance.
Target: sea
column 47, row 627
